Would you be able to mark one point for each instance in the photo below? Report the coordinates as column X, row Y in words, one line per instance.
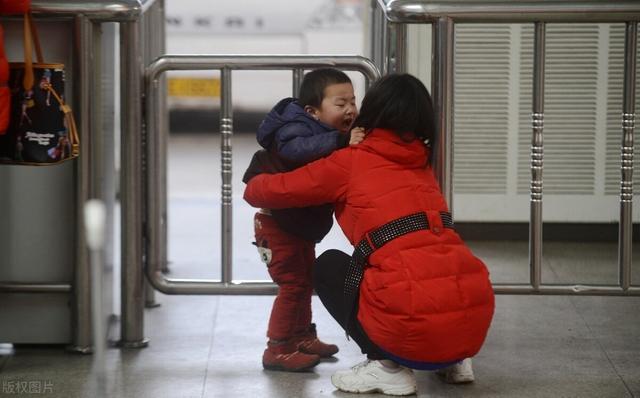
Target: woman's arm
column 323, row 181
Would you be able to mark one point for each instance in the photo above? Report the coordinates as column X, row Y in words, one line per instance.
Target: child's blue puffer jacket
column 297, row 137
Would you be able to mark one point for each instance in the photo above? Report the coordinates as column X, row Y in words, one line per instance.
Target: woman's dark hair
column 314, row 83
column 398, row 102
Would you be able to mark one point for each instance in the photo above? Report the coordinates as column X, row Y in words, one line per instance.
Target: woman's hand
column 357, row 135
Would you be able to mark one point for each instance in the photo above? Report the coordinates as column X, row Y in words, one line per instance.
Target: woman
column 412, row 295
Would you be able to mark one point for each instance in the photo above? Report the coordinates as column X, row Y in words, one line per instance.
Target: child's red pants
column 289, row 260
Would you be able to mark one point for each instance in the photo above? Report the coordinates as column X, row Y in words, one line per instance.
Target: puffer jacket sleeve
column 319, row 182
column 297, row 143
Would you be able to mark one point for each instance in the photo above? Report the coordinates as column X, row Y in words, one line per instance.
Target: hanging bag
column 42, row 130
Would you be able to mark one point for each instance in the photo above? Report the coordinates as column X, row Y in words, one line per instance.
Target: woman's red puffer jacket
column 424, row 296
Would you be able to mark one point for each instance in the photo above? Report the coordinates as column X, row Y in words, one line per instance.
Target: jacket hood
column 412, row 154
column 285, row 111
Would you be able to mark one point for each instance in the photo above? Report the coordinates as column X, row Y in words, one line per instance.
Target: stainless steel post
column 156, row 162
column 385, row 45
column 398, row 40
column 625, row 235
column 156, row 177
column 95, row 217
column 153, row 25
column 442, row 77
column 537, row 152
column 298, row 75
column 147, row 23
column 131, row 187
column 376, row 35
column 84, row 52
column 226, row 132
column 164, row 137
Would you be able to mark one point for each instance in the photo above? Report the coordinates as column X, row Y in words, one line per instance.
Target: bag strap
column 72, row 135
column 30, row 38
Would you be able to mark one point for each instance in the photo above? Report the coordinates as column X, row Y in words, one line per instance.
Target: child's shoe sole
column 282, row 368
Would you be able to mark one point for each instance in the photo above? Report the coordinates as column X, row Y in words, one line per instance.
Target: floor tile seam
column 551, row 268
column 211, row 341
column 606, row 354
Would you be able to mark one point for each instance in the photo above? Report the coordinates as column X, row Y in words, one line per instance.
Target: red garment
column 424, row 296
column 290, row 261
column 5, row 93
column 7, row 7
column 14, row 6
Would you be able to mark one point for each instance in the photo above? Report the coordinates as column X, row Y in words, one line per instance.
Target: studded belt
column 375, row 240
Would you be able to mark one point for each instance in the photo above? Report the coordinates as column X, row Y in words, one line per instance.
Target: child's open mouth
column 346, row 124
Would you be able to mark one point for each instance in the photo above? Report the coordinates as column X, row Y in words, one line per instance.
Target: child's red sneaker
column 285, row 356
column 310, row 344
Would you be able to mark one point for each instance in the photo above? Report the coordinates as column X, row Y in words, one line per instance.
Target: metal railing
column 96, row 10
column 389, row 55
column 86, row 15
column 156, row 188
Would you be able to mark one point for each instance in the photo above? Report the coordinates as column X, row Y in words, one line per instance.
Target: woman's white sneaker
column 373, row 376
column 459, row 373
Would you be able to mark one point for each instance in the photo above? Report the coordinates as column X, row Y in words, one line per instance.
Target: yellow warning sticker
column 193, row 87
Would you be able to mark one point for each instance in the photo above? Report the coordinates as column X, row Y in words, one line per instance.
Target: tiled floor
column 210, row 346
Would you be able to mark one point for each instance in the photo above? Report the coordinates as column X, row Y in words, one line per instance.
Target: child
column 412, row 296
column 294, row 133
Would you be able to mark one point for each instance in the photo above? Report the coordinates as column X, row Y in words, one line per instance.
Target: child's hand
column 357, row 135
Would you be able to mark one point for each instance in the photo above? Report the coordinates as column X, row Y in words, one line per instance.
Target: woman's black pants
column 328, row 280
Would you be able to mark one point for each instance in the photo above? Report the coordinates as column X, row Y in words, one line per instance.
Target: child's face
column 338, row 108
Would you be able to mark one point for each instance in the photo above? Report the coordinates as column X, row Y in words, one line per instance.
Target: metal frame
column 85, row 15
column 442, row 15
column 429, row 11
column 537, row 156
column 155, row 234
column 95, row 10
